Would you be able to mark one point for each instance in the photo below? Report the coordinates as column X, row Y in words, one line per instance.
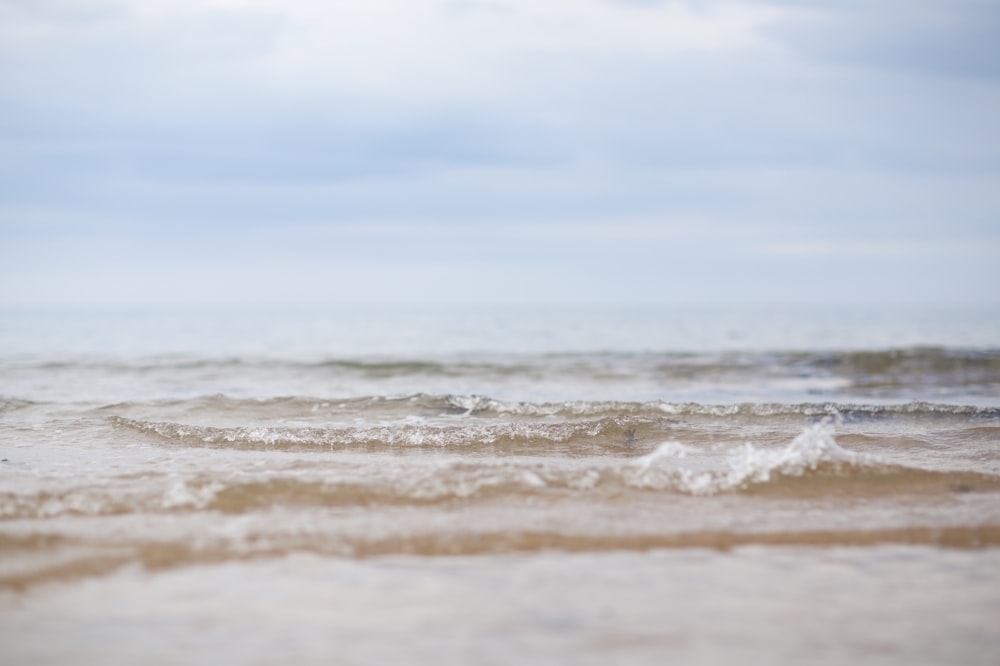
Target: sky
column 499, row 152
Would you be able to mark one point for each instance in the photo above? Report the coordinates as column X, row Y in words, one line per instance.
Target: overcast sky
column 322, row 152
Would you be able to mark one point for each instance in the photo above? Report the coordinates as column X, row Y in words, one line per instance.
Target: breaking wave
column 812, row 465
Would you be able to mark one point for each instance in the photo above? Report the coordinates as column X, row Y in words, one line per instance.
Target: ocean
column 500, row 486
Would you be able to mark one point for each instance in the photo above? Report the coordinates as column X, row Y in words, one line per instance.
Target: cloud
column 922, row 37
column 624, row 146
column 354, row 55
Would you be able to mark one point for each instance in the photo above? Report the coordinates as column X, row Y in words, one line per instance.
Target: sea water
column 500, row 486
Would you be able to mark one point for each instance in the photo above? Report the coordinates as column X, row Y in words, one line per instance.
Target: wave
column 479, row 405
column 14, row 404
column 846, row 411
column 460, row 487
column 504, row 435
column 895, row 364
column 812, row 465
column 917, row 364
column 375, row 367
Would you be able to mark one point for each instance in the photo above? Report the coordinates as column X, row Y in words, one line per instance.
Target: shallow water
column 501, row 487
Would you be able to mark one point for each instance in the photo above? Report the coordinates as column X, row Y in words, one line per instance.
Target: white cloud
column 888, row 250
column 186, row 56
column 656, row 149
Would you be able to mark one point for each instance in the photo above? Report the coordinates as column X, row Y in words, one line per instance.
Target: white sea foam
column 664, row 450
column 813, row 448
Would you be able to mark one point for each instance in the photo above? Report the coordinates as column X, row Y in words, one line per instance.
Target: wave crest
column 314, row 438
column 813, row 450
